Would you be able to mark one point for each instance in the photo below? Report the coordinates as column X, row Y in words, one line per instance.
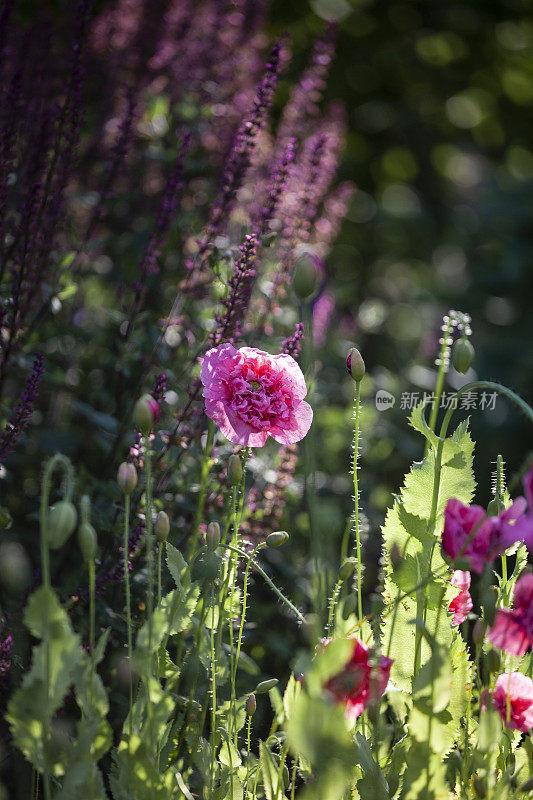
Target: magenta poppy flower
column 252, row 395
column 461, row 605
column 513, row 627
column 479, row 539
column 518, row 689
column 357, row 685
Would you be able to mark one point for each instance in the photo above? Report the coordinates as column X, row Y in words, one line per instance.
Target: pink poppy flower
column 519, row 689
column 461, row 605
column 357, row 685
column 513, row 628
column 487, row 537
column 252, row 395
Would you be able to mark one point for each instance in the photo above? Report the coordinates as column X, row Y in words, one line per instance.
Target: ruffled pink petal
column 292, row 371
column 508, row 633
column 213, row 359
column 515, row 510
column 461, row 579
column 303, row 417
column 523, row 593
column 460, row 607
column 519, row 689
column 232, row 427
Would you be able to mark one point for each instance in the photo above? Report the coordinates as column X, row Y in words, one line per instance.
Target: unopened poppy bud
column 495, row 507
column 234, row 470
column 395, row 555
column 478, row 632
column 355, row 365
column 87, row 541
column 277, row 538
column 212, row 535
column 127, row 477
column 462, row 355
column 162, row 526
column 62, row 519
column 145, row 413
column 266, row 686
column 251, row 705
column 347, row 568
column 305, row 276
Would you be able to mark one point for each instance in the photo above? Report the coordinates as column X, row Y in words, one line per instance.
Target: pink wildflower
column 513, row 628
column 470, row 534
column 518, row 689
column 252, row 395
column 356, row 685
column 461, row 605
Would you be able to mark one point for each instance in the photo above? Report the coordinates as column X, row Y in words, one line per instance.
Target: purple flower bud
column 145, row 413
column 355, row 365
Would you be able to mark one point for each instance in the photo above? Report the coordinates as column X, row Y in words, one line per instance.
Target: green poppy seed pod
column 87, row 541
column 234, row 470
column 212, row 536
column 494, row 507
column 478, row 632
column 145, row 413
column 462, row 355
column 305, row 277
column 162, row 526
column 266, row 686
column 127, row 477
column 349, row 606
column 348, row 568
column 277, row 538
column 62, row 519
column 251, row 705
column 355, row 365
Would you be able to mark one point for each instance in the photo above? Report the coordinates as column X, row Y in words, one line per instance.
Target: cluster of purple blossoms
column 20, row 416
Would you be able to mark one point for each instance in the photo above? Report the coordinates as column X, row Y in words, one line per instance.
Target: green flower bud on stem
column 494, row 507
column 234, row 470
column 251, row 705
column 212, row 536
column 462, row 355
column 62, row 519
column 87, row 541
column 145, row 413
column 162, row 526
column 277, row 538
column 349, row 606
column 265, row 686
column 127, row 477
column 305, row 276
column 348, row 568
column 355, row 365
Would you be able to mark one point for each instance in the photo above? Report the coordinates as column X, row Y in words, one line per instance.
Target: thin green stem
column 248, row 749
column 204, row 476
column 90, row 566
column 356, row 497
column 213, row 687
column 332, row 604
column 440, row 377
column 125, row 546
column 159, row 548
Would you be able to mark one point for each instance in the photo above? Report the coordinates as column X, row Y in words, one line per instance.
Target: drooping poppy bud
column 495, row 506
column 62, row 519
column 462, row 355
column 355, row 365
column 162, row 526
column 277, row 538
column 127, row 477
column 266, row 686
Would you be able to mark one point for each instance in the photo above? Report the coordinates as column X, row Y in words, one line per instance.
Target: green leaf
column 269, row 771
column 372, row 786
column 178, row 567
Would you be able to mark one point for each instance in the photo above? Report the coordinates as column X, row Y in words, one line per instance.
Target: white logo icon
column 384, row 400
